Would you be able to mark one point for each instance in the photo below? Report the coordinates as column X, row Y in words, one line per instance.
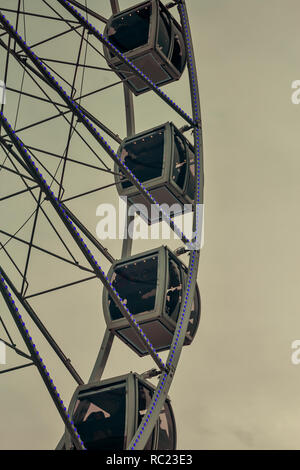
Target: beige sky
column 235, row 386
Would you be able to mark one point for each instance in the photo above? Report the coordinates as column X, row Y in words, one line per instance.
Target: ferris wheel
column 150, row 299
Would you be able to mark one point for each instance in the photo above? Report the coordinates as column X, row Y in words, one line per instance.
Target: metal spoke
column 35, row 97
column 64, row 62
column 53, row 289
column 27, row 13
column 61, row 113
column 16, row 368
column 54, row 37
column 45, row 214
column 18, row 193
column 44, row 250
column 6, row 331
column 2, row 247
column 92, row 191
column 71, row 129
column 96, row 243
column 89, row 11
column 16, row 172
column 17, row 350
column 72, row 160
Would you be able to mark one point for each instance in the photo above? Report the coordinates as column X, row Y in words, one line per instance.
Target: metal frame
column 146, row 427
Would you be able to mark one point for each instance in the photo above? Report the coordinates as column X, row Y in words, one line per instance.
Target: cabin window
column 178, row 58
column 145, row 397
column 164, row 33
column 100, row 418
column 174, row 291
column 191, row 181
column 144, row 157
column 131, row 30
column 136, row 284
column 179, row 169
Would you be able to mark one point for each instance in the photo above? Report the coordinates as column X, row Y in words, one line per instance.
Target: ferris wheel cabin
column 152, row 285
column 152, row 39
column 108, row 413
column 163, row 160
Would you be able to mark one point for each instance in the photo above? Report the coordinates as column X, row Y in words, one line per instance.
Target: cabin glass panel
column 178, row 58
column 166, row 437
column 145, row 397
column 131, row 30
column 179, row 164
column 174, row 292
column 191, row 181
column 136, row 284
column 100, row 418
column 144, row 157
column 164, row 33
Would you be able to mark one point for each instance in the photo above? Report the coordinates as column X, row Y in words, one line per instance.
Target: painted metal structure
column 16, row 149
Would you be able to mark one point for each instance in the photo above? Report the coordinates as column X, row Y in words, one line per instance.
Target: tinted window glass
column 100, row 419
column 164, row 33
column 178, row 58
column 144, row 157
column 131, row 30
column 166, row 437
column 179, row 170
column 174, row 291
column 145, row 396
column 191, row 181
column 136, row 283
